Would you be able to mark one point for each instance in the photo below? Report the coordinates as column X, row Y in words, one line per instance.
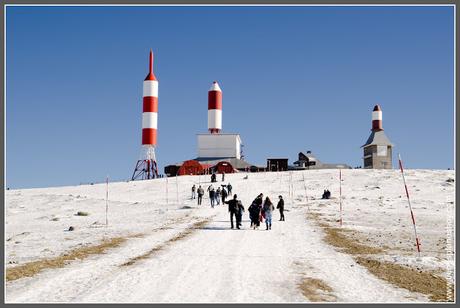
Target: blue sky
column 293, row 79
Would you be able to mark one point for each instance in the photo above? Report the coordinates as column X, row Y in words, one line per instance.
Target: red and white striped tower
column 377, row 119
column 146, row 167
column 215, row 109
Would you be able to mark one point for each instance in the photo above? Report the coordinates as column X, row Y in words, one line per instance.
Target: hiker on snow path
column 193, row 191
column 258, row 202
column 229, row 188
column 239, row 214
column 217, row 196
column 254, row 212
column 268, row 209
column 233, row 209
column 200, row 192
column 280, row 206
column 212, row 194
column 224, row 195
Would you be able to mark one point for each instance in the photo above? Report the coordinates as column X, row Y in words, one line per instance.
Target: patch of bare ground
column 429, row 283
column 316, row 290
column 162, row 246
column 424, row 282
column 32, row 268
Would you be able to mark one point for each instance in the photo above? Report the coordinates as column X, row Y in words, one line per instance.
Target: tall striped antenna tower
column 146, row 167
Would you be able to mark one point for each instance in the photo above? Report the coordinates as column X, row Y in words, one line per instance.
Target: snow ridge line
column 163, row 245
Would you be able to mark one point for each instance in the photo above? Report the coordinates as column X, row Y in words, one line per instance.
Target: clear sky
column 293, row 79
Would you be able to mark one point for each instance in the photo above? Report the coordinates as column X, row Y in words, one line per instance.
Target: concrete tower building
column 215, row 144
column 378, row 148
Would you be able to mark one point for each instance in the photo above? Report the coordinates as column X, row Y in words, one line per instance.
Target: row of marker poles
column 305, row 188
column 107, row 202
column 340, row 195
column 417, row 242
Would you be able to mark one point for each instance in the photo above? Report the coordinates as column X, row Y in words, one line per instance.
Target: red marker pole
column 417, row 242
column 340, row 196
column 107, row 202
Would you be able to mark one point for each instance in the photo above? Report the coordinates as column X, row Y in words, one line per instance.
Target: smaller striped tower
column 377, row 119
column 146, row 166
column 215, row 109
column 378, row 148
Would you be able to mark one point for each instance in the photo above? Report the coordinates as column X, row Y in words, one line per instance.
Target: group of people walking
column 260, row 210
column 215, row 195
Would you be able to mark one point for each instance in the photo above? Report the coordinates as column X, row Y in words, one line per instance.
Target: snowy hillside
column 160, row 246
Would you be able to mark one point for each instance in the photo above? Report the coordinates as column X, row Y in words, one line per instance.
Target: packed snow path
column 213, row 264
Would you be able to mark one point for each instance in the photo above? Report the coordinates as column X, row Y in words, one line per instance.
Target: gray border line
column 204, row 2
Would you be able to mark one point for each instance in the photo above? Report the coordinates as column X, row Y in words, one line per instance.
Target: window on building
column 381, row 150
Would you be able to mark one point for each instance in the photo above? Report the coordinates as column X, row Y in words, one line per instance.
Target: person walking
column 229, row 188
column 239, row 214
column 232, row 209
column 217, row 196
column 258, row 202
column 223, row 176
column 200, row 192
column 224, row 195
column 254, row 211
column 268, row 210
column 212, row 194
column 193, row 191
column 280, row 207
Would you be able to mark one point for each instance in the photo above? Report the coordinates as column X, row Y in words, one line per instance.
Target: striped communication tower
column 215, row 109
column 146, row 167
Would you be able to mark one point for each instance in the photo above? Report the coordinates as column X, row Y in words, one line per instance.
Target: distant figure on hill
column 326, row 194
column 217, row 196
column 193, row 191
column 224, row 195
column 233, row 209
column 280, row 207
column 212, row 194
column 200, row 192
column 268, row 210
column 229, row 188
column 223, row 176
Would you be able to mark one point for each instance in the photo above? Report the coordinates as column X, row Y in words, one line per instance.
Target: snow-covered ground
column 214, row 263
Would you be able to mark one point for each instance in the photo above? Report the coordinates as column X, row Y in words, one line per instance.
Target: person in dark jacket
column 254, row 212
column 229, row 188
column 239, row 214
column 223, row 176
column 258, row 201
column 233, row 209
column 212, row 194
column 224, row 195
column 193, row 191
column 280, row 207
